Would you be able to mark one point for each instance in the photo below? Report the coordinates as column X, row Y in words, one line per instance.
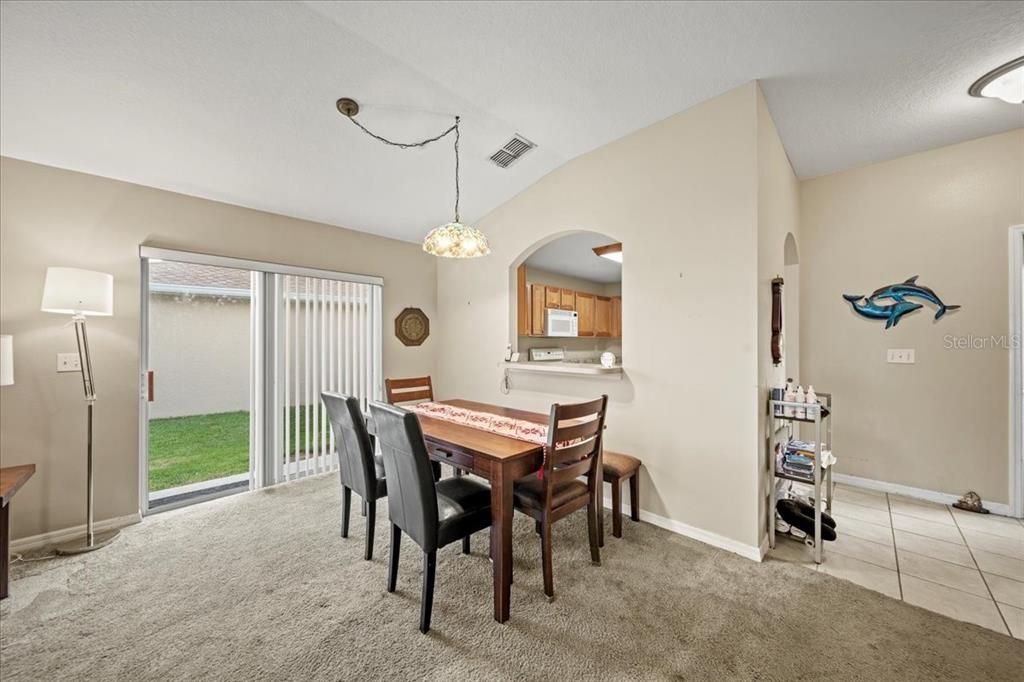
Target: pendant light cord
column 422, row 143
column 457, row 169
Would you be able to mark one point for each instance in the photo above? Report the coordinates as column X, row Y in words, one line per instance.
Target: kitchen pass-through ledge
column 575, row 368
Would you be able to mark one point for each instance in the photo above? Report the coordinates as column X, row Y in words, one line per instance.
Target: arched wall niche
column 791, row 306
column 790, row 254
column 565, row 261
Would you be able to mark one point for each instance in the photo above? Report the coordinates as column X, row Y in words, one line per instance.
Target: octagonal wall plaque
column 412, row 327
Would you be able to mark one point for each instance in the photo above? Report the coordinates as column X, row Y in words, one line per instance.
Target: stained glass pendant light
column 451, row 240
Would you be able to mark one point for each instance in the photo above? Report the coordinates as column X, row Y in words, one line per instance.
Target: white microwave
column 561, row 322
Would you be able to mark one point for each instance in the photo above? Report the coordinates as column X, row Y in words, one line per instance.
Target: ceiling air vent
column 512, row 150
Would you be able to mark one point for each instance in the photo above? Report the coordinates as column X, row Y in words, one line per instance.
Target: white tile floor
column 963, row 565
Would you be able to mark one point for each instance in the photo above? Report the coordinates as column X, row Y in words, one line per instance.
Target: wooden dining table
column 501, row 460
column 11, row 480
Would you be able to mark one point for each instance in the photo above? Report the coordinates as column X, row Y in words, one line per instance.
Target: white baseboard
column 55, row 537
column 699, row 534
column 910, row 491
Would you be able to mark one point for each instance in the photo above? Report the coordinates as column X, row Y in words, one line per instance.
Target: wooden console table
column 11, row 480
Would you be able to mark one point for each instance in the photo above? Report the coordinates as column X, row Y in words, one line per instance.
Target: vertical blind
column 327, row 338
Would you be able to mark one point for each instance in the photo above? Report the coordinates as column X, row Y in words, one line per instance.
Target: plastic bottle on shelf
column 790, row 396
column 812, row 399
column 801, row 412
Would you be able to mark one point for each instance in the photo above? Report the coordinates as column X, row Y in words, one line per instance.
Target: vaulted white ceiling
column 235, row 101
column 573, row 255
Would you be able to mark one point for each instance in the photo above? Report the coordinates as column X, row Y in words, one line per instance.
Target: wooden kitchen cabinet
column 602, row 316
column 597, row 315
column 617, row 317
column 537, row 310
column 552, row 297
column 585, row 311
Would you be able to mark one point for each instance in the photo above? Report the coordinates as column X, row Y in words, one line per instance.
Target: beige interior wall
column 778, row 214
column 791, row 321
column 681, row 197
column 940, row 424
column 55, row 217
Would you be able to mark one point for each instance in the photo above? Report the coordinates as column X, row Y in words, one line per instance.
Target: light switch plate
column 68, row 362
column 900, row 356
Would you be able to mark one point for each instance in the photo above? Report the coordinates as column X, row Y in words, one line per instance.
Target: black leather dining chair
column 433, row 514
column 360, row 469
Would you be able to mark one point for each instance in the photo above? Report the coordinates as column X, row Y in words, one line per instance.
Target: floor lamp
column 75, row 292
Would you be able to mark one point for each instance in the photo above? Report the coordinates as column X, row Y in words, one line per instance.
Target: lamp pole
column 92, row 540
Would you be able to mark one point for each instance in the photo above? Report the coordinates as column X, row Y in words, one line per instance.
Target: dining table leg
column 501, row 541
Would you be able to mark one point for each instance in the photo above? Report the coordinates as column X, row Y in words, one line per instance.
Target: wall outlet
column 68, row 362
column 901, row 356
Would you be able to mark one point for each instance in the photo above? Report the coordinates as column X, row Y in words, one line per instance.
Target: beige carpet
column 261, row 587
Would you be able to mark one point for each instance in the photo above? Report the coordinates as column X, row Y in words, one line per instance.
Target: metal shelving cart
column 820, row 415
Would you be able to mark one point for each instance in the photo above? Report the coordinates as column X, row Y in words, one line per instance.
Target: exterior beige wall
column 940, row 424
column 199, row 353
column 682, row 197
column 55, row 217
column 778, row 214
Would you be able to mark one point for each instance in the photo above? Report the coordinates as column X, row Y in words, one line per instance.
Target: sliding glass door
column 235, row 354
column 198, row 383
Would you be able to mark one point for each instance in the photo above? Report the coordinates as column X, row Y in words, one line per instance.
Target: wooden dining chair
column 358, row 467
column 617, row 468
column 432, row 514
column 416, row 389
column 572, row 450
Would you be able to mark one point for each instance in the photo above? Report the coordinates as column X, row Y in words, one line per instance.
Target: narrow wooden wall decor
column 777, row 321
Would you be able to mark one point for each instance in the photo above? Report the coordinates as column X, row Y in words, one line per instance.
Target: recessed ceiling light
column 610, row 251
column 1005, row 82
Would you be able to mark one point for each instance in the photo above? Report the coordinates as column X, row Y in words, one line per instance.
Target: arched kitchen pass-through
column 567, row 305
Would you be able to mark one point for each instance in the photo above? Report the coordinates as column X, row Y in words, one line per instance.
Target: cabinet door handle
column 150, row 386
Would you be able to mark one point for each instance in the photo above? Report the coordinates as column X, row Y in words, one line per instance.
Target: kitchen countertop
column 562, row 367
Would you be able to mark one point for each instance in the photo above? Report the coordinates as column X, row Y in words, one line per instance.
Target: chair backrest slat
column 573, row 453
column 412, row 497
column 410, row 396
column 584, row 430
column 409, row 390
column 568, row 472
column 355, row 448
column 580, row 410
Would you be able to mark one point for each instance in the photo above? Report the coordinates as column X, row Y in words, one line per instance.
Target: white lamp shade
column 78, row 292
column 6, row 360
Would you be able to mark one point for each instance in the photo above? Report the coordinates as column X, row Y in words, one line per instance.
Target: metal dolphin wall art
column 890, row 302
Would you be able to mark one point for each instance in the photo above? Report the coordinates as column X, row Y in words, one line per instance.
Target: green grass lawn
column 201, row 447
